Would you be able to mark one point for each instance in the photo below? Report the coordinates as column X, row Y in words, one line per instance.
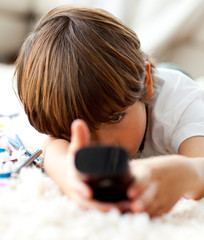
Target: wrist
column 195, row 177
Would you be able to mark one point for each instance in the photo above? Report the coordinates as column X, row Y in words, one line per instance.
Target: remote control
column 106, row 170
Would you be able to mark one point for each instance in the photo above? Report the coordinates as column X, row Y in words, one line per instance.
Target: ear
column 148, row 80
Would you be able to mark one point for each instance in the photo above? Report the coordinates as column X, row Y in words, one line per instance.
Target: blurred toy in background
column 13, row 153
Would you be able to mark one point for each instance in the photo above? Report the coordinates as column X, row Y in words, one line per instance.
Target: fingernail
column 139, row 206
column 86, row 193
column 132, row 192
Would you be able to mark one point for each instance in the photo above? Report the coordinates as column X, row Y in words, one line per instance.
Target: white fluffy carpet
column 33, row 208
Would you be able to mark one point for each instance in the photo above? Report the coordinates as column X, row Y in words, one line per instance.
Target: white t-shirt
column 175, row 114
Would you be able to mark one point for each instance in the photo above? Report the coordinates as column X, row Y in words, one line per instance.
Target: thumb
column 80, row 135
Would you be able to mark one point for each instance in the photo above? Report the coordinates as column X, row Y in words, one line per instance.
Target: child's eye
column 118, row 118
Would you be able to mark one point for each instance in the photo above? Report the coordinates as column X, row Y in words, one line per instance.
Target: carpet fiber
column 32, row 207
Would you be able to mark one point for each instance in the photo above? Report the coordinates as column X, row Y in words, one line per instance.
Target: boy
column 83, row 79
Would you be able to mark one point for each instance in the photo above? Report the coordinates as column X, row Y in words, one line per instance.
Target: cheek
column 134, row 134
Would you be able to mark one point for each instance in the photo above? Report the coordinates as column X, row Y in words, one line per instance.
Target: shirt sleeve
column 191, row 123
column 178, row 113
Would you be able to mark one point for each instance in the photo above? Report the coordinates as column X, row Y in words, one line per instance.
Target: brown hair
column 79, row 63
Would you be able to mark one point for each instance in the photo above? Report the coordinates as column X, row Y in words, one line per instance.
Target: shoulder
column 177, row 111
column 172, row 87
column 173, row 79
column 52, row 142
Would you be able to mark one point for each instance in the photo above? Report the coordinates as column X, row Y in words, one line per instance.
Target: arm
column 59, row 160
column 59, row 165
column 194, row 148
column 162, row 181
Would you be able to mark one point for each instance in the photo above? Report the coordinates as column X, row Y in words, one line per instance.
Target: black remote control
column 105, row 169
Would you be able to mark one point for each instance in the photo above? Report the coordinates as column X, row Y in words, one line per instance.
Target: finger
column 142, row 180
column 146, row 199
column 160, row 205
column 135, row 190
column 123, row 206
column 80, row 135
column 156, row 210
column 80, row 187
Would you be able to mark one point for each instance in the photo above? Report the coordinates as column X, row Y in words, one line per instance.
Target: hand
column 160, row 183
column 60, row 166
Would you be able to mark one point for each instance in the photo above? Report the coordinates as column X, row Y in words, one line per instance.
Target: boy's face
column 127, row 131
